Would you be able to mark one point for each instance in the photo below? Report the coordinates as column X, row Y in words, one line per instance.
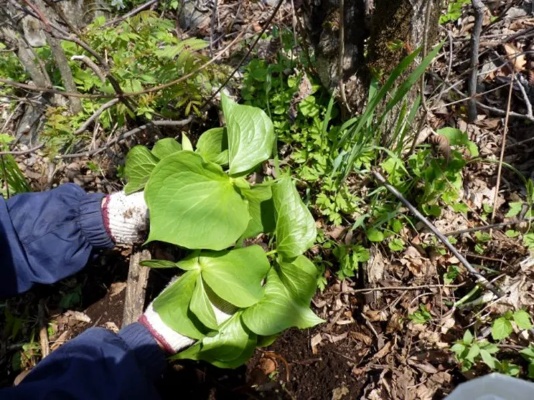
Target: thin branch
column 478, row 8
column 503, row 146
column 22, row 152
column 486, row 227
column 377, row 289
column 126, row 135
column 240, row 63
column 480, row 278
column 97, row 113
column 131, row 13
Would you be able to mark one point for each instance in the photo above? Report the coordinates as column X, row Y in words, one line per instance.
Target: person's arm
column 98, row 364
column 45, row 237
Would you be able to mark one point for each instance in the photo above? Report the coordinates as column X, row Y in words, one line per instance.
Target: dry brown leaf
column 116, row 288
column 515, row 56
column 383, row 351
column 315, row 342
column 362, row 337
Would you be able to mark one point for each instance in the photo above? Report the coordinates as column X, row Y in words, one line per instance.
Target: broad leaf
column 295, row 227
column 228, row 343
column 213, row 146
column 261, row 209
column 139, row 164
column 278, row 310
column 201, row 306
column 501, row 328
column 250, row 135
column 236, row 275
column 300, row 278
column 158, row 264
column 165, row 147
column 194, row 204
column 522, row 319
column 172, row 305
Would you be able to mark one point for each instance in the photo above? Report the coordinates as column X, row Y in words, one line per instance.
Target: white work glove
column 125, row 217
column 171, row 341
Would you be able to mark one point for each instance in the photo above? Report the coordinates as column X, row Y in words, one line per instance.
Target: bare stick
column 136, row 287
column 503, row 146
column 126, row 135
column 240, row 63
column 478, row 8
column 97, row 113
column 131, row 13
column 381, row 288
column 480, row 278
column 87, row 61
column 22, row 152
column 485, row 227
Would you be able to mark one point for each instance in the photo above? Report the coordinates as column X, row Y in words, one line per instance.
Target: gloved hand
column 170, row 340
column 125, row 217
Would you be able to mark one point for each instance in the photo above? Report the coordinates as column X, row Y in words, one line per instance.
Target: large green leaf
column 236, row 275
column 250, row 135
column 225, row 350
column 228, row 343
column 295, row 227
column 201, row 306
column 165, row 147
column 172, row 305
column 139, row 164
column 261, row 209
column 279, row 309
column 300, row 278
column 213, row 146
column 194, row 204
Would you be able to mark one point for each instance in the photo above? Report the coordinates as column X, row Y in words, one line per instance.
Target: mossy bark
column 388, row 33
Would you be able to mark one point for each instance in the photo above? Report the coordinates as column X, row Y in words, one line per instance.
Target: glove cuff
column 171, row 341
column 125, row 217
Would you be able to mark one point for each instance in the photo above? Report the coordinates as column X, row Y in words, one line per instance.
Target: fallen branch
column 480, row 278
column 22, row 152
column 126, row 135
column 503, row 146
column 478, row 8
column 136, row 287
column 97, row 113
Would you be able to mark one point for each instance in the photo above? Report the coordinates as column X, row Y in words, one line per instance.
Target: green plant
column 502, row 327
column 454, row 11
column 196, row 204
column 12, row 180
column 140, row 53
column 528, row 354
column 421, row 316
column 349, row 258
column 470, row 351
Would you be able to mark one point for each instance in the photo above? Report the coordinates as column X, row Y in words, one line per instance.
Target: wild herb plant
column 12, row 180
column 201, row 201
column 141, row 53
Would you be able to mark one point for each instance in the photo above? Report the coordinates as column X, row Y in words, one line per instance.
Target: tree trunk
column 393, row 30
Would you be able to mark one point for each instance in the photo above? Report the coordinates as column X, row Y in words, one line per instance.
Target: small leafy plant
column 470, row 350
column 502, row 327
column 201, row 201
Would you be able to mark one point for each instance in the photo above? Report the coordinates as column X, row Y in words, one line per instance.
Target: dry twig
column 478, row 8
column 480, row 278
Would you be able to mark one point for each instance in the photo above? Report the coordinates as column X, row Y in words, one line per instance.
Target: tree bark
column 393, row 30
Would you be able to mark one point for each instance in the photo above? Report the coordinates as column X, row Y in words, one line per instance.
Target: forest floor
column 389, row 330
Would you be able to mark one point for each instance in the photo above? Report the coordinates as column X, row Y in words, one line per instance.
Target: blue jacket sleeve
column 45, row 237
column 96, row 365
